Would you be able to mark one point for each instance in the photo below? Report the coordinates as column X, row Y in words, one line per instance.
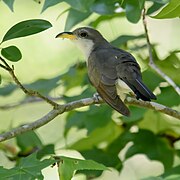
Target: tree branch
column 81, row 103
column 151, row 60
column 26, row 91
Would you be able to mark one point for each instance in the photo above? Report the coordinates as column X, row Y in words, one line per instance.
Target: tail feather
column 142, row 91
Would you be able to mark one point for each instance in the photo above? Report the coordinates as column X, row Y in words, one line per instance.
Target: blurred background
column 45, row 59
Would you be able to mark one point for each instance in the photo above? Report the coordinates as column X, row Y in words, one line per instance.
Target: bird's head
column 85, row 38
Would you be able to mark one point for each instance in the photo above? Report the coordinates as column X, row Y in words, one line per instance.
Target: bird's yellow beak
column 67, row 35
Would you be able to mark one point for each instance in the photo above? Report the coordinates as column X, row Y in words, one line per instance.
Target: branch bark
column 26, row 91
column 81, row 103
column 151, row 60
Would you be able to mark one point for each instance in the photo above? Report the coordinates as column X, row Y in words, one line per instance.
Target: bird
column 112, row 71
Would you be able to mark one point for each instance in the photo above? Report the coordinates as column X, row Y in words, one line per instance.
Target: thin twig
column 26, row 91
column 78, row 104
column 4, row 67
column 151, row 61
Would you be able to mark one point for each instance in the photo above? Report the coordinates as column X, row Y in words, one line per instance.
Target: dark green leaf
column 28, row 142
column 134, row 10
column 155, row 148
column 26, row 28
column 104, row 134
column 89, row 119
column 168, row 97
column 11, row 53
column 7, row 90
column 48, row 4
column 160, row 1
column 125, row 38
column 75, row 17
column 69, row 165
column 28, row 168
column 172, row 10
column 104, row 7
column 174, row 172
column 80, row 5
column 44, row 85
column 46, row 150
column 103, row 156
column 103, row 18
column 10, row 4
column 154, row 8
column 137, row 114
column 151, row 79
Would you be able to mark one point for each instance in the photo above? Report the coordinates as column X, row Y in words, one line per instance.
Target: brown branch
column 26, row 91
column 81, row 103
column 151, row 60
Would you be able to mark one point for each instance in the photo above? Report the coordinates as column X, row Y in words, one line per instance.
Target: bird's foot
column 97, row 97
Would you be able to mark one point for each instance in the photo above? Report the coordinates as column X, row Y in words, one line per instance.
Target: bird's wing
column 128, row 70
column 103, row 76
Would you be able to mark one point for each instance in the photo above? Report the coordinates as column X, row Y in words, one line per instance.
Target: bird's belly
column 122, row 89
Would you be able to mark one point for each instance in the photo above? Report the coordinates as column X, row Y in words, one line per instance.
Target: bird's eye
column 83, row 34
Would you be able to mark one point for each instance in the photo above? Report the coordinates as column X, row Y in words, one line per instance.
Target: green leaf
column 137, row 114
column 103, row 156
column 74, row 17
column 125, row 38
column 174, row 172
column 44, row 86
column 46, row 150
column 148, row 75
column 103, row 18
column 26, row 28
column 134, row 10
column 168, row 97
column 97, row 136
column 68, row 166
column 10, row 4
column 80, row 5
column 11, row 53
column 48, row 4
column 8, row 89
column 28, row 168
column 160, row 1
column 172, row 10
column 87, row 120
column 154, row 8
column 28, row 142
column 104, row 7
column 155, row 148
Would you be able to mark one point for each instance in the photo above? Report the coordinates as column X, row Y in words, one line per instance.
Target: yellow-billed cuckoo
column 112, row 71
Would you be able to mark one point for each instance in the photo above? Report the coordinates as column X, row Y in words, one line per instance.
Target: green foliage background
column 144, row 146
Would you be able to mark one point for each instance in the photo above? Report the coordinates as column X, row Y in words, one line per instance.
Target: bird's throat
column 85, row 45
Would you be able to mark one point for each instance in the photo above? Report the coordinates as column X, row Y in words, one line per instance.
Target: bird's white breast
column 85, row 45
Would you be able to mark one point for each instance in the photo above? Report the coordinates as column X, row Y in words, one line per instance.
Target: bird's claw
column 97, row 97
